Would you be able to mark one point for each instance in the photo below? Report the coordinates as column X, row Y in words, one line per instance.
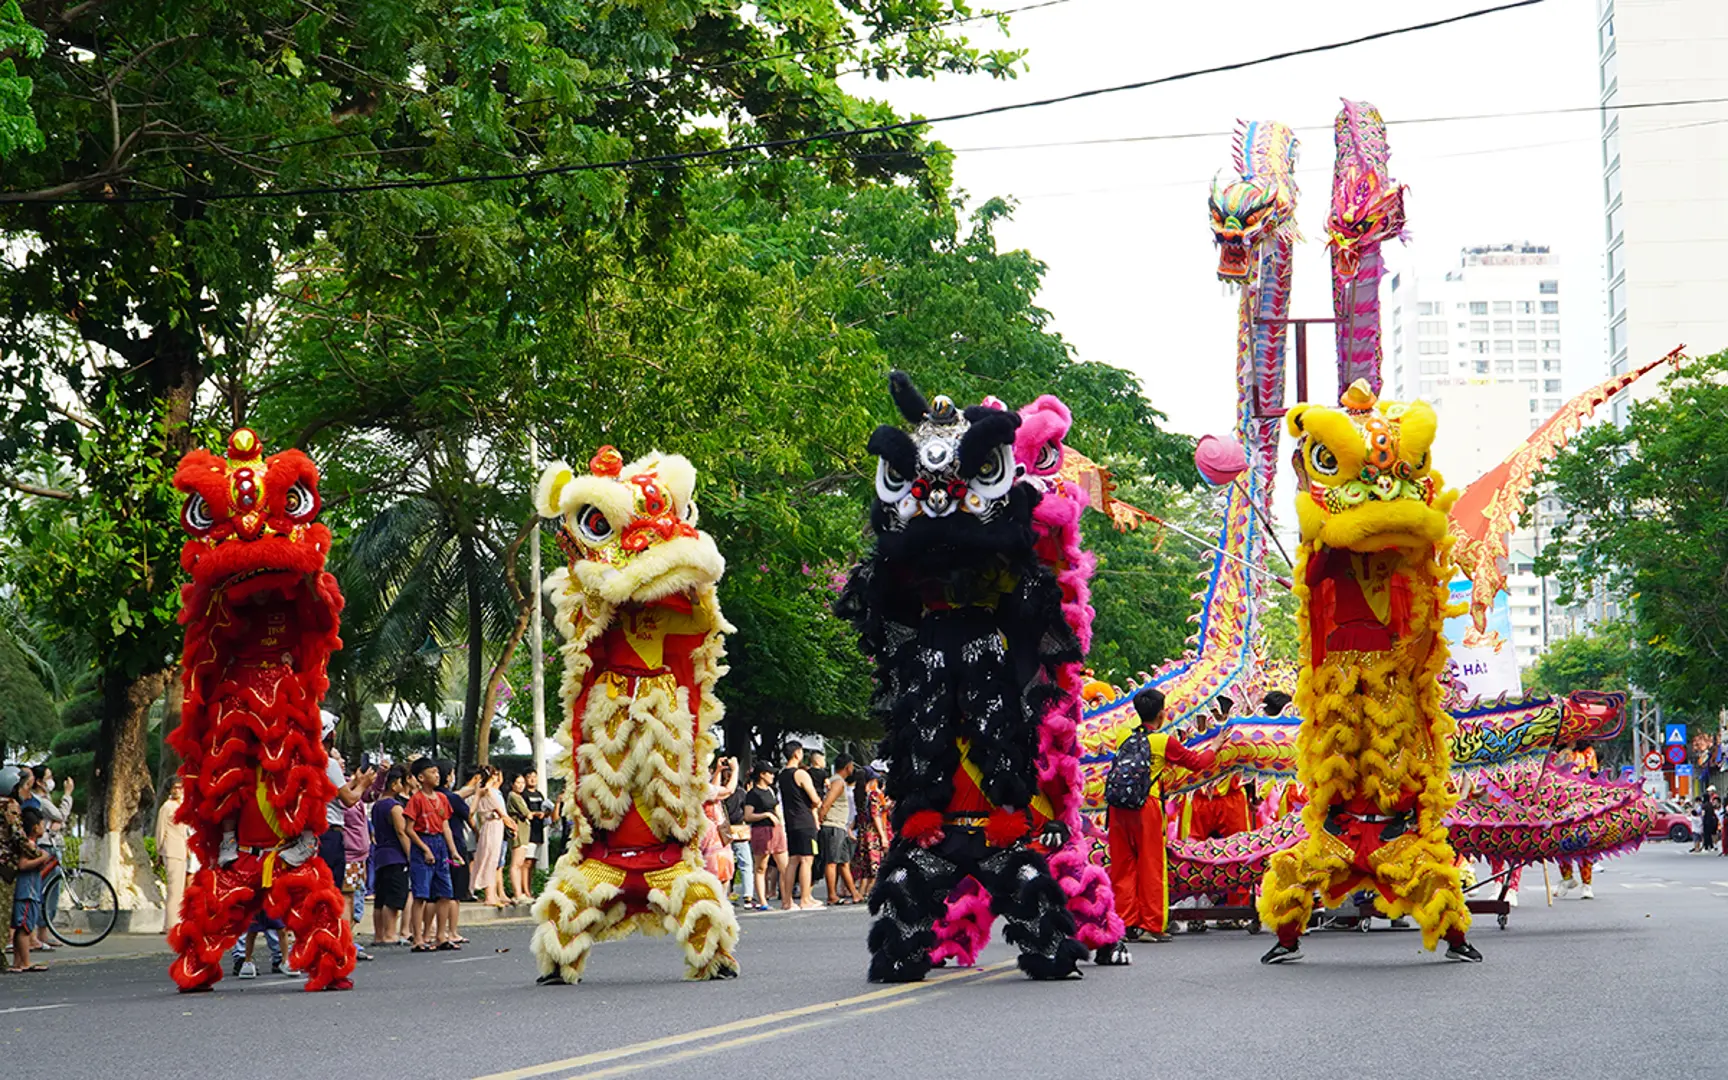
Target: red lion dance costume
column 261, row 621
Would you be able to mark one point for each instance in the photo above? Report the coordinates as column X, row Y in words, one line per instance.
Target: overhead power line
column 684, row 157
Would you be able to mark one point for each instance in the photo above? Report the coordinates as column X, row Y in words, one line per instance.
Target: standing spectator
column 465, row 827
column 716, row 845
column 13, row 845
column 332, row 847
column 26, row 913
column 517, row 827
column 489, row 823
column 461, row 821
column 872, row 831
column 390, row 849
column 28, row 794
column 767, row 830
column 357, row 850
column 835, row 840
column 171, row 848
column 738, row 835
column 56, row 815
column 429, row 867
column 798, row 801
column 538, row 811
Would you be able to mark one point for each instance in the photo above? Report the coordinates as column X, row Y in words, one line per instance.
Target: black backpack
column 1130, row 778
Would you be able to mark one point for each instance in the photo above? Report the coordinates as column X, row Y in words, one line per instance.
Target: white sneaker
column 1565, row 889
column 1587, row 894
column 1511, row 897
column 248, row 970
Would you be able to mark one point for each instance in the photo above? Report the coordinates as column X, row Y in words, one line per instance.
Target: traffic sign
column 1674, row 734
column 1676, row 755
column 1682, row 770
column 1652, row 761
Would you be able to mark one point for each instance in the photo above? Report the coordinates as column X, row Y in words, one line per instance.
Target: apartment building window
column 1548, row 288
column 1526, row 326
column 1611, row 145
column 1431, row 326
column 1550, row 345
column 1610, row 68
column 1426, row 308
column 1533, row 406
column 1502, row 326
column 1616, row 222
column 1550, row 326
column 1529, row 386
column 1502, row 307
column 1616, row 261
column 1478, row 307
column 1527, row 346
column 1432, row 367
column 1503, row 347
column 1550, row 386
column 1617, row 337
column 1611, row 183
column 1550, row 307
column 1481, row 367
column 1551, row 404
column 1503, row 366
column 1617, row 299
column 1550, row 363
column 1527, row 366
column 1430, row 348
column 1479, row 326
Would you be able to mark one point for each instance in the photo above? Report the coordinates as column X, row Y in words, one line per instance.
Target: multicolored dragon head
column 1366, row 469
column 629, row 531
column 1259, row 203
column 252, row 534
column 948, row 488
column 1367, row 204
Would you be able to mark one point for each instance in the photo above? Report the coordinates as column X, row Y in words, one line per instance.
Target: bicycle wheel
column 87, row 909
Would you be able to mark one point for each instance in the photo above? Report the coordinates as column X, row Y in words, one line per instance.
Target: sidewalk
column 118, row 946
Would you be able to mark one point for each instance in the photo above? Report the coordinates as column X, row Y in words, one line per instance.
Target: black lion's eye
column 300, row 502
column 1322, row 460
column 1049, row 457
column 196, row 514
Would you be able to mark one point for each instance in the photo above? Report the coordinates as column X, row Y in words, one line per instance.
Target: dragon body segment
column 1040, row 452
column 643, row 644
column 1373, row 750
column 261, row 618
column 1367, row 210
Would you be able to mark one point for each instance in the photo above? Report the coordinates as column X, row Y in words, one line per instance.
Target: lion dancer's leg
column 1418, row 874
column 964, row 928
column 218, row 906
column 306, row 899
column 1318, row 863
column 912, row 885
column 694, row 903
column 583, row 899
column 1035, row 911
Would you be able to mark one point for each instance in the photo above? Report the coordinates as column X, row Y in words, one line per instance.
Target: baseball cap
column 9, row 777
column 330, row 722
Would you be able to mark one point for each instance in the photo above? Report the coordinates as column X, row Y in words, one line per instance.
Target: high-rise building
column 1664, row 168
column 1482, row 344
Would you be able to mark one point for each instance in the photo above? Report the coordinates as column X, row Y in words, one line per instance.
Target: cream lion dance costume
column 643, row 643
column 1372, row 751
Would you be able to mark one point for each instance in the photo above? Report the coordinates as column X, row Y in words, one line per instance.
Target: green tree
column 1600, row 659
column 1646, row 517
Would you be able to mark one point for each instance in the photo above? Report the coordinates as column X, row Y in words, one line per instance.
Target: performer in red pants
column 1138, row 867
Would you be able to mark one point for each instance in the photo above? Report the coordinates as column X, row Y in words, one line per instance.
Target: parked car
column 1672, row 823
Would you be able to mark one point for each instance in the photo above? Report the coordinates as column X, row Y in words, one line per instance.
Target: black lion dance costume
column 966, row 630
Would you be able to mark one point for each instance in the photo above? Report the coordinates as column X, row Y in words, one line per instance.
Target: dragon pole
column 1367, row 209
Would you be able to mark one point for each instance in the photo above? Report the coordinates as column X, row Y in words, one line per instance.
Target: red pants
column 1138, row 867
column 1215, row 816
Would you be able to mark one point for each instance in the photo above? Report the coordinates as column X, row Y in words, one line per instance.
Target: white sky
column 1123, row 227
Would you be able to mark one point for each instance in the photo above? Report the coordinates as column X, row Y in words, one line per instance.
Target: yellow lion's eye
column 1322, row 460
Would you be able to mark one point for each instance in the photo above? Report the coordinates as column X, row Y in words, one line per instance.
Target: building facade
column 1482, row 343
column 1664, row 168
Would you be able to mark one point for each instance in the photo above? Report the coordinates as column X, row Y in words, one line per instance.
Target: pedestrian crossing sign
column 1674, row 733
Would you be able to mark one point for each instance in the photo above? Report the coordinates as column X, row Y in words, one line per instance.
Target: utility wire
column 682, row 157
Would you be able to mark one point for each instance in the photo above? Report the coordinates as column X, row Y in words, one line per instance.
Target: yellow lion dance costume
column 1372, row 575
column 643, row 641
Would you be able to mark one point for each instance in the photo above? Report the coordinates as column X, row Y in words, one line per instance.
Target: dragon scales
column 1367, row 209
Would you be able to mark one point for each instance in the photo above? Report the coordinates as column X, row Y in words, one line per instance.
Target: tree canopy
column 1646, row 517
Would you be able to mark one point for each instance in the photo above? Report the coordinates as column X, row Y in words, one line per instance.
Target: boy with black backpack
column 1138, row 868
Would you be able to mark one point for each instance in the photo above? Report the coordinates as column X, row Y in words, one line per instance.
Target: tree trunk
column 476, row 654
column 119, row 781
column 524, row 614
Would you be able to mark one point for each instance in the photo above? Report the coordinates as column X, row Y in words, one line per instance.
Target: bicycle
column 83, row 905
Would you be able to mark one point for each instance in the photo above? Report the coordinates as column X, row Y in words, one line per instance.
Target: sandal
column 423, row 948
column 32, row 968
column 447, row 946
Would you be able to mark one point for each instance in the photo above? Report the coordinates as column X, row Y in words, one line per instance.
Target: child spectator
column 391, row 844
column 428, row 814
column 272, row 929
column 27, row 891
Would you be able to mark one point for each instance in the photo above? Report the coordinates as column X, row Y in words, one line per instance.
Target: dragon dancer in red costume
column 260, row 613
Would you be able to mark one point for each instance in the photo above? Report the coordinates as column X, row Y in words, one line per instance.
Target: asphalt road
column 1622, row 985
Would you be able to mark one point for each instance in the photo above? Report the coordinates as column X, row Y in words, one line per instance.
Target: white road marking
column 36, row 1008
column 1643, row 884
column 471, row 959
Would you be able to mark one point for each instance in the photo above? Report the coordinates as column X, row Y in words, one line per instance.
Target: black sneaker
column 1134, row 934
column 1280, row 954
column 1463, row 953
column 238, row 960
column 1198, row 926
column 1114, row 954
